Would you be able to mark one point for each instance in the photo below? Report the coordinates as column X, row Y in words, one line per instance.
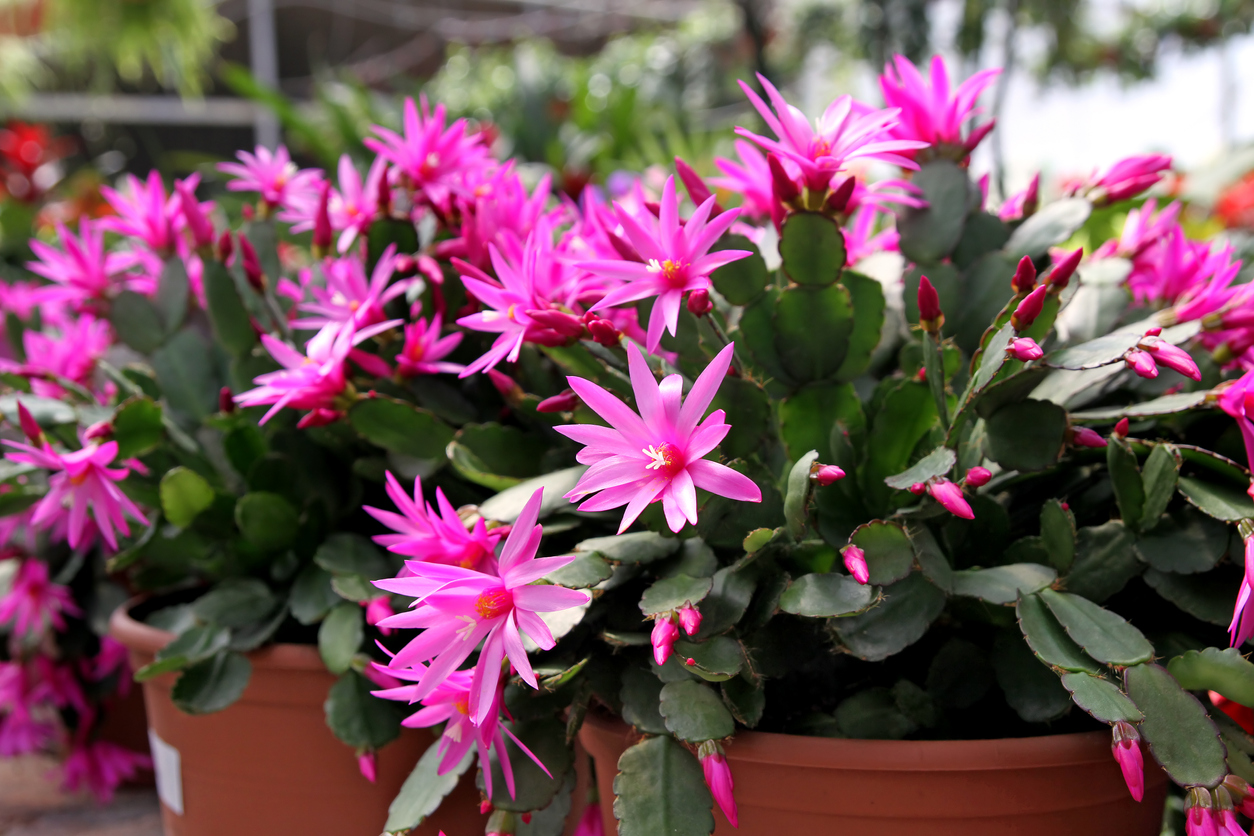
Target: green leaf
column 756, row 332
column 633, row 547
column 312, row 596
column 534, row 790
column 213, row 684
column 1186, row 542
column 960, row 674
column 641, row 697
column 1102, row 351
column 1212, row 669
column 508, row 504
column 1166, row 405
column 340, row 636
column 741, row 281
column 172, row 293
column 807, row 416
column 1208, row 597
column 423, row 791
column 357, row 717
column 812, row 331
column 1160, row 473
column 400, row 427
column 868, row 323
column 1048, row 640
column 982, row 234
column 1003, row 584
column 1218, row 501
column 1027, row 435
column 694, row 712
column 908, row 609
column 186, row 372
column 985, row 293
column 745, row 700
column 137, row 427
column 930, row 233
column 230, row 320
column 584, row 572
column 47, row 412
column 1105, row 561
column 344, row 553
column 1101, row 698
column 193, row 646
column 729, row 597
column 826, row 596
column 1125, row 477
column 992, row 359
column 873, row 714
column 812, row 249
column 889, row 555
column 266, row 520
column 495, row 456
column 932, row 560
column 905, row 416
column 660, row 789
column 1051, row 225
column 1058, row 534
column 1180, row 735
column 672, row 593
column 1031, row 688
column 796, row 500
column 748, row 412
column 137, row 322
column 936, row 463
column 184, row 494
column 1104, row 635
column 716, row 660
column 235, row 602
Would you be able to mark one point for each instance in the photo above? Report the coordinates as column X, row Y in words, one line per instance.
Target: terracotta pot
column 269, row 764
column 1038, row 786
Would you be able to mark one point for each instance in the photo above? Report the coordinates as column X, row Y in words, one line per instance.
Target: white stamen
column 655, row 266
column 464, row 633
column 659, row 458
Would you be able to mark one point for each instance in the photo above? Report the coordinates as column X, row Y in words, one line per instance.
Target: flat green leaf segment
column 423, row 791
column 1183, row 739
column 660, row 789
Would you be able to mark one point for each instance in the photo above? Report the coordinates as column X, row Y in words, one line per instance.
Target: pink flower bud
column 1199, row 813
column 1084, row 437
column 1153, row 332
column 689, row 619
column 226, row 401
column 367, row 765
column 697, row 189
column 29, row 425
column 604, row 332
column 977, row 136
column 855, row 562
column 1029, row 309
column 252, row 266
column 977, row 477
column 718, row 778
column 319, row 417
column 786, row 191
column 225, row 246
column 1024, row 348
column 930, row 315
column 1121, row 428
column 485, row 807
column 1025, row 276
column 664, row 635
column 1060, row 276
column 826, row 474
column 1141, row 363
column 98, row 430
column 565, row 402
column 1171, row 356
column 322, row 222
column 950, row 497
column 1126, row 747
column 505, row 384
column 699, row 303
column 198, row 222
column 568, row 325
column 839, row 198
column 918, row 489
column 377, row 610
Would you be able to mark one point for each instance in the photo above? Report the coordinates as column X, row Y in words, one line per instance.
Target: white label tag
column 169, row 772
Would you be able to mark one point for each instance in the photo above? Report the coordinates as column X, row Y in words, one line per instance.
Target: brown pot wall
column 269, row 765
column 801, row 786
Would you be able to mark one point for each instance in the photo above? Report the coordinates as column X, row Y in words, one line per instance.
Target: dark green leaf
column 672, row 593
column 547, row 740
column 873, row 714
column 184, row 494
column 741, row 281
column 495, row 456
column 1125, row 477
column 826, row 596
column 982, row 234
column 931, row 559
column 806, row 418
column 728, row 599
column 660, row 789
column 585, row 571
column 508, row 504
column 1053, row 224
column 1058, row 534
column 797, row 498
column 137, row 322
column 137, row 427
column 213, row 684
column 235, row 602
column 748, row 412
column 1218, row 501
column 812, row 248
column 1180, row 735
column 340, row 636
column 908, row 609
column 357, row 717
column 993, row 358
column 633, row 547
column 1101, row 698
column 1166, row 405
column 1048, row 640
column 423, row 791
column 1212, row 669
column 1104, row 635
column 231, row 323
column 889, row 555
column 1105, row 561
column 929, row 234
column 1031, row 689
column 266, row 520
column 344, row 553
column 641, row 698
column 195, row 645
column 694, row 712
column 756, row 332
column 1187, row 541
column 716, row 660
column 904, row 417
column 1027, row 435
column 812, row 330
column 400, row 427
column 936, row 463
column 312, row 596
column 185, row 371
column 1003, row 584
column 868, row 323
column 960, row 674
column 1162, row 468
column 1207, row 597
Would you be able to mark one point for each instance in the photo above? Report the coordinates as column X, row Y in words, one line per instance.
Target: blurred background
column 93, row 88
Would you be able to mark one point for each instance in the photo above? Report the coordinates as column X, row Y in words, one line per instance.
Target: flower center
column 80, row 478
column 666, row 458
column 673, row 273
column 494, row 603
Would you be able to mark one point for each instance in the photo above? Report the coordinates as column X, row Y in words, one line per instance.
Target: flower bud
column 225, row 246
column 786, row 191
column 1025, row 276
column 604, row 332
column 1025, row 349
column 98, row 430
column 1199, row 815
column 718, row 778
column 1060, row 276
column 918, row 489
column 977, row 477
column 509, row 389
column 252, row 266
column 699, row 303
column 1126, row 746
column 568, row 325
column 689, row 619
column 623, row 247
column 322, row 223
column 697, row 189
column 564, row 402
column 378, row 609
column 839, row 198
column 1029, row 309
column 367, row 765
column 319, row 417
column 1084, row 437
column 198, row 223
column 930, row 315
column 1171, row 356
column 855, row 562
column 663, row 638
column 485, row 807
column 1121, row 428
column 1141, row 363
column 950, row 497
column 825, row 474
column 226, row 401
column 29, row 425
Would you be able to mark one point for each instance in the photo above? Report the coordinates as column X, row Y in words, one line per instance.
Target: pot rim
column 143, row 638
column 1009, row 753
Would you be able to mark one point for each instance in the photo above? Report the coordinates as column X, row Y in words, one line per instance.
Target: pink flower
column 950, row 497
column 113, row 658
column 423, row 534
column 1126, row 178
column 1142, row 230
column 459, row 608
column 1200, row 817
column 861, row 240
column 663, row 638
column 378, row 609
column 273, row 174
column 750, row 178
column 71, row 355
column 81, row 271
column 1029, row 309
column 1126, row 747
column 1141, row 363
column 145, row 212
column 101, row 766
column 846, row 131
column 425, row 350
column 855, row 561
column 1022, row 204
column 1242, row 626
column 351, row 209
column 718, row 778
column 496, row 208
column 33, row 603
column 81, row 482
column 432, row 158
column 348, row 298
column 1024, row 348
column 195, row 215
column 658, row 453
column 22, row 734
column 677, row 259
column 928, row 112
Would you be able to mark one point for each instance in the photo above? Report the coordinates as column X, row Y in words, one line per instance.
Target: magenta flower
column 750, row 178
column 718, row 778
column 34, row 603
column 1085, row 437
column 424, row 350
column 351, row 208
column 846, row 131
column 590, row 823
column 676, row 259
column 81, row 482
column 459, row 608
column 21, row 731
column 928, row 110
column 101, row 766
column 431, row 158
column 71, row 355
column 496, row 208
column 80, row 270
column 861, row 239
column 424, row 535
column 1126, row 178
column 348, row 299
column 1143, row 229
column 1022, row 204
column 1126, row 747
column 194, row 214
column 145, row 212
column 22, row 734
column 273, row 174
column 657, row 454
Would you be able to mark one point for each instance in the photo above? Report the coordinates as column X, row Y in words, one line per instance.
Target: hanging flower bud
column 1060, row 276
column 383, row 198
column 977, row 477
column 839, row 198
column 855, row 562
column 664, row 635
column 1199, row 815
column 1029, row 309
column 319, row 417
column 699, row 303
column 786, row 191
column 1025, row 276
column 1121, row 429
column 98, row 430
column 825, row 474
column 918, row 489
column 697, row 189
column 225, row 246
column 29, row 425
column 950, row 497
column 604, row 332
column 1242, row 797
column 930, row 315
column 1141, row 363
column 689, row 619
column 1084, row 437
column 565, row 402
column 322, row 236
column 252, row 266
column 226, row 401
column 1171, row 356
column 1025, row 349
column 367, row 765
column 485, row 807
column 718, row 778
column 1126, row 746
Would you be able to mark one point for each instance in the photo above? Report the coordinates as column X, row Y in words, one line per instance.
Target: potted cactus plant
column 777, row 508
